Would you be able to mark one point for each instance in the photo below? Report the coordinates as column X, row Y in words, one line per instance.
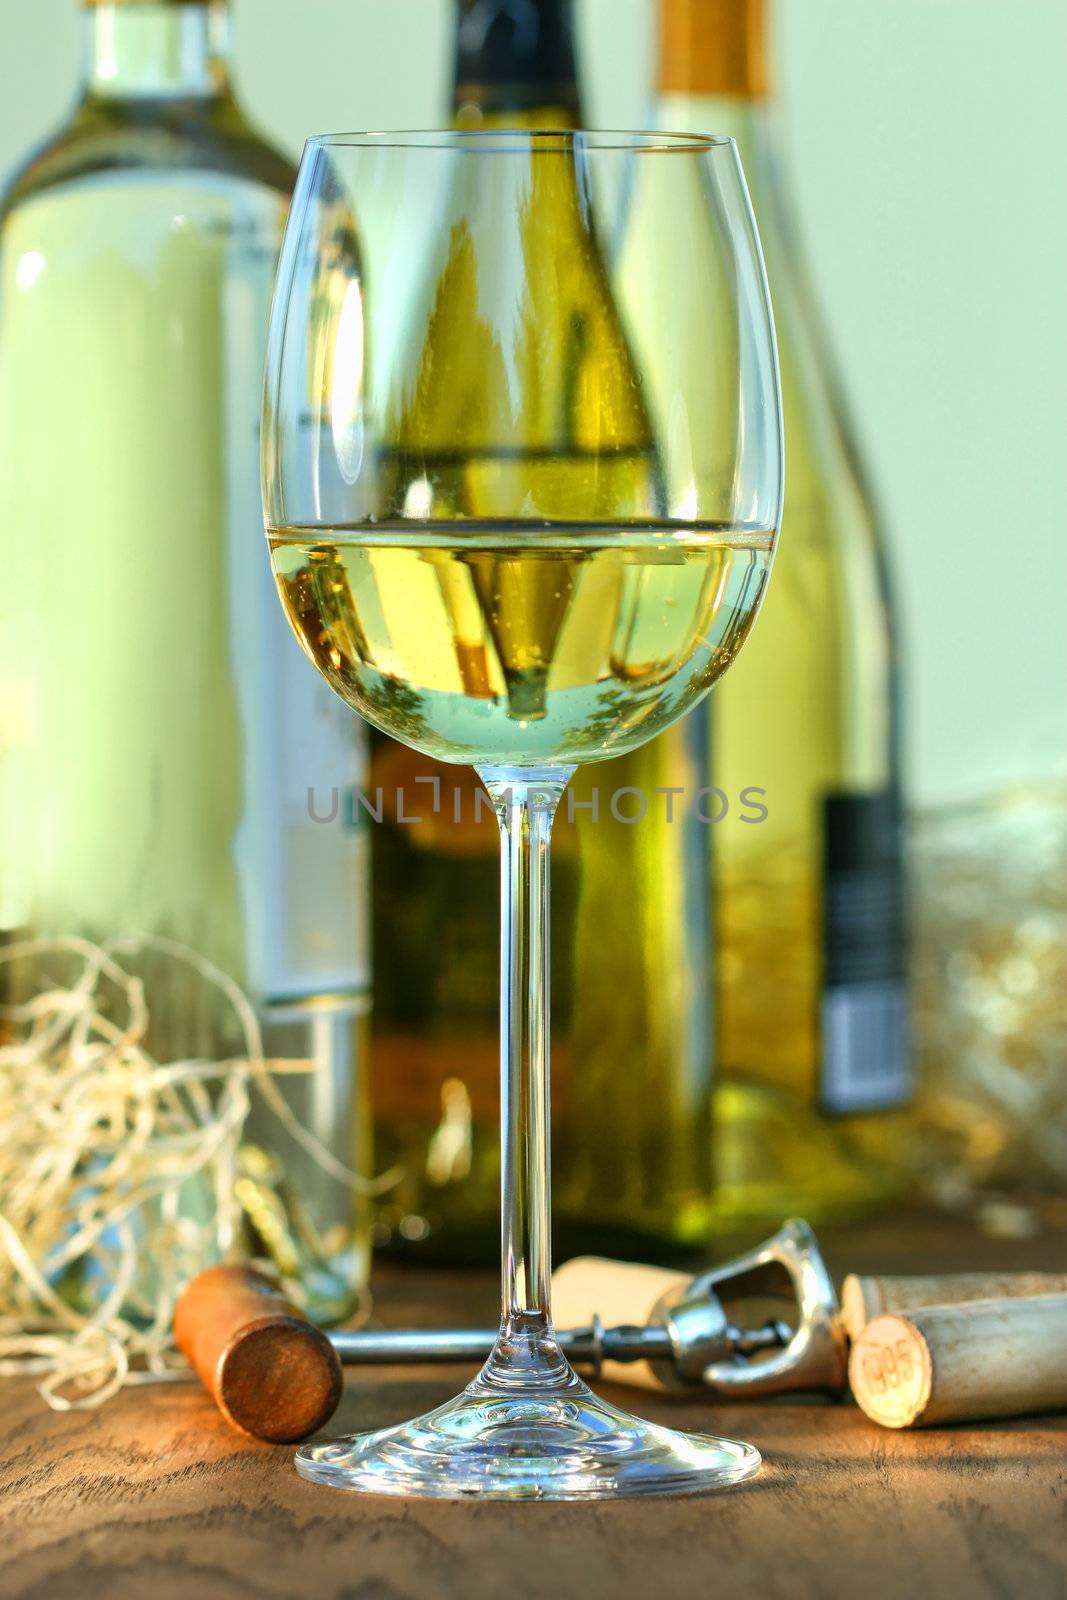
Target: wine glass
column 507, row 536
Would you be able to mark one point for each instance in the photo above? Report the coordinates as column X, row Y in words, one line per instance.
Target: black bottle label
column 865, row 1056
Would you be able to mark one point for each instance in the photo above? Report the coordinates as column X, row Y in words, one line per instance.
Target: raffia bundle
column 117, row 1171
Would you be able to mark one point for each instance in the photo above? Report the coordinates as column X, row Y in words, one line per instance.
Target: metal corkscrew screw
column 586, row 1347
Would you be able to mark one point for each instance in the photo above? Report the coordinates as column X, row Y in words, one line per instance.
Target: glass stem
column 525, row 801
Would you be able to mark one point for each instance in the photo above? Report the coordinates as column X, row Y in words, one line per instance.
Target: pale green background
column 928, row 144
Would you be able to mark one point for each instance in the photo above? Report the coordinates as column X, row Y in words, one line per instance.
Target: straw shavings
column 117, row 1171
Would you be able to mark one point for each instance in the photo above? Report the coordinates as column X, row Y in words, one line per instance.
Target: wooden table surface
column 153, row 1497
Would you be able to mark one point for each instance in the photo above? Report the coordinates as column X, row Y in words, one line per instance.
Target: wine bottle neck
column 152, row 49
column 714, row 47
column 516, row 60
column 751, row 124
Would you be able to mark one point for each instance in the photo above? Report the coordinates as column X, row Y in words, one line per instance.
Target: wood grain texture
column 155, row 1498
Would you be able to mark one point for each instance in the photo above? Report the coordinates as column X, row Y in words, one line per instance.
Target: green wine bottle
column 631, row 874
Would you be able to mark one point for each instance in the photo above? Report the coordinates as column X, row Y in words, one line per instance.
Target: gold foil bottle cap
column 714, row 47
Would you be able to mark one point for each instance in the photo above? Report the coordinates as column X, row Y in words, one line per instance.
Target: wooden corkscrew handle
column 271, row 1372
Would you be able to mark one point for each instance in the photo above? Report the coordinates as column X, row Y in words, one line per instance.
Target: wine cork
column 271, row 1372
column 864, row 1298
column 617, row 1292
column 962, row 1363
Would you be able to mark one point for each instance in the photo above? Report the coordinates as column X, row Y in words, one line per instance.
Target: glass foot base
column 528, row 1444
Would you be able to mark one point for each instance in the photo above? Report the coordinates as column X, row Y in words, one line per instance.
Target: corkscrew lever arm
column 812, row 1356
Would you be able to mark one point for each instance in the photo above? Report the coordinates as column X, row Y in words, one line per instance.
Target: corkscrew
column 690, row 1340
column 276, row 1376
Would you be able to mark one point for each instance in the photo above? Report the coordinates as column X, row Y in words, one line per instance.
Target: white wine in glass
column 606, row 582
column 586, row 641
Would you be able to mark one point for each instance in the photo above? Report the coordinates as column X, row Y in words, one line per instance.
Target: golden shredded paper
column 118, row 1173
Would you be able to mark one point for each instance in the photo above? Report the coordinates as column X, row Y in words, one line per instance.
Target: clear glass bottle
column 812, row 1052
column 631, row 1076
column 168, row 750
